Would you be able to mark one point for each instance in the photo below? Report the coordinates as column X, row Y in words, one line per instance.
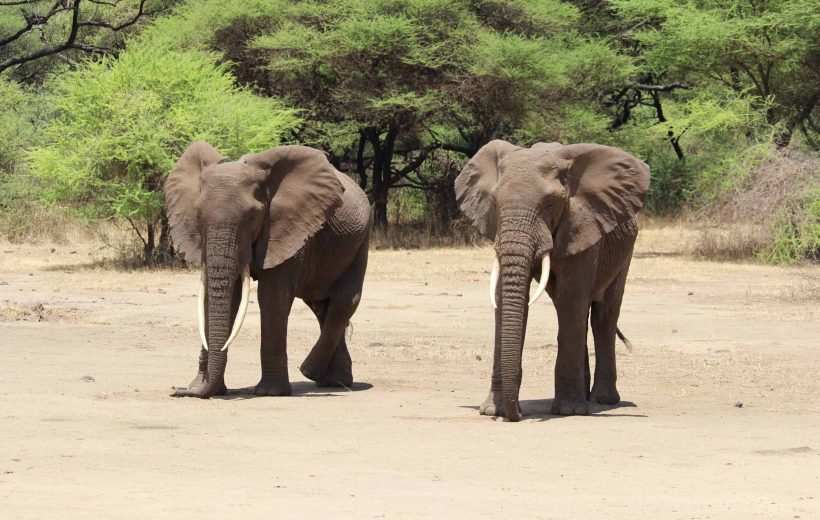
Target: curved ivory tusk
column 494, row 281
column 542, row 284
column 200, row 303
column 243, row 307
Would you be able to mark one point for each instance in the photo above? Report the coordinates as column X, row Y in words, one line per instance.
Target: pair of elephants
column 562, row 214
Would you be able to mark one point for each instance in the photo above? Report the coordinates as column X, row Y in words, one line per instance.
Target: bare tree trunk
column 148, row 249
column 382, row 181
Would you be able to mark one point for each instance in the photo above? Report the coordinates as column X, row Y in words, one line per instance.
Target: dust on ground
column 720, row 417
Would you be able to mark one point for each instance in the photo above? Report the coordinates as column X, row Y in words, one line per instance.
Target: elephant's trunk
column 515, row 282
column 221, row 268
column 516, row 248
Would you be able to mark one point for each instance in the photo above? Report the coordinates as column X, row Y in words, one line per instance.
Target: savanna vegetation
column 720, row 98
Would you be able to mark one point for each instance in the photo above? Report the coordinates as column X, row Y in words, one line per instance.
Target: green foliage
column 20, row 115
column 403, row 91
column 796, row 231
column 38, row 26
column 119, row 126
column 768, row 48
column 724, row 136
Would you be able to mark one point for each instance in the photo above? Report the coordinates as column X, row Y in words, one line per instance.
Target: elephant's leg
column 317, row 365
column 274, row 308
column 571, row 387
column 604, row 322
column 493, row 405
column 199, row 379
column 328, row 363
column 587, row 374
column 201, row 376
column 340, row 367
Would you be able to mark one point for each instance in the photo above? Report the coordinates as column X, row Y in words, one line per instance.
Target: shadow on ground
column 300, row 389
column 538, row 410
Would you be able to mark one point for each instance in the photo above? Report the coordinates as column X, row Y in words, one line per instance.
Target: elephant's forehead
column 528, row 161
column 227, row 173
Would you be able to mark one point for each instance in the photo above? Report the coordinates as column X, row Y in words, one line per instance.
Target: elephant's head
column 535, row 203
column 237, row 216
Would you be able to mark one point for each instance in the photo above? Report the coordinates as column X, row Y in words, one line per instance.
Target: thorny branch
column 62, row 6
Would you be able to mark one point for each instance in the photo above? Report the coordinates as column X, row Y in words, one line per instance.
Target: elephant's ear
column 606, row 187
column 475, row 183
column 304, row 191
column 181, row 192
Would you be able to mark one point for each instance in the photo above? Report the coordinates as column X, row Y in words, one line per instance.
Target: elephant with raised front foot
column 566, row 216
column 287, row 218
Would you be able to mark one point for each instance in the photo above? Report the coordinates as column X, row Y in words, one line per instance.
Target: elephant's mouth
column 240, row 313
column 542, row 283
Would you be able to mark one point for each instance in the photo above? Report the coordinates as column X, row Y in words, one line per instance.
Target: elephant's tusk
column 243, row 307
column 542, row 284
column 494, row 281
column 200, row 302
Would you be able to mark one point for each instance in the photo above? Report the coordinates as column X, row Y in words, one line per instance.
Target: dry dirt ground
column 88, row 356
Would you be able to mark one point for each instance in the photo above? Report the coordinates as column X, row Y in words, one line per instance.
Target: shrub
column 119, row 126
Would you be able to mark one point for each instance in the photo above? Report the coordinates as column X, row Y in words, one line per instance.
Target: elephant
column 565, row 215
column 290, row 220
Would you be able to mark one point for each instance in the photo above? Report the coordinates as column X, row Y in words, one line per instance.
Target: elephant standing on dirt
column 565, row 215
column 289, row 219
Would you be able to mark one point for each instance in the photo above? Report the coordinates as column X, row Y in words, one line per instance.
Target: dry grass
column 741, row 226
column 806, row 289
column 422, row 235
column 732, row 242
column 39, row 224
column 12, row 311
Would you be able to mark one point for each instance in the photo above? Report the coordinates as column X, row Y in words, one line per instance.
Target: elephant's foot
column 564, row 406
column 197, row 381
column 273, row 387
column 495, row 406
column 312, row 371
column 339, row 372
column 605, row 394
column 203, row 391
column 492, row 405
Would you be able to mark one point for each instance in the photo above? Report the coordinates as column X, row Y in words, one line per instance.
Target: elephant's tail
column 349, row 330
column 623, row 338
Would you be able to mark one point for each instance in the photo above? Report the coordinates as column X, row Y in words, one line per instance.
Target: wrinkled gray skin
column 577, row 204
column 303, row 228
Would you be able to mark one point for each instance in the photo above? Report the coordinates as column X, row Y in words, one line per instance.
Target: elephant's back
column 337, row 248
column 352, row 217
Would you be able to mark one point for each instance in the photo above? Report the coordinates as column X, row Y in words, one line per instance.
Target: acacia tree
column 119, row 125
column 37, row 35
column 385, row 84
column 765, row 49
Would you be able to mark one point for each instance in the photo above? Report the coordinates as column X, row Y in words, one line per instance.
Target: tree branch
column 661, row 88
column 460, row 149
column 414, row 164
column 70, row 42
column 144, row 242
column 31, row 22
column 115, row 28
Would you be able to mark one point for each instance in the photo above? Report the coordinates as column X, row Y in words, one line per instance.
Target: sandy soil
column 88, row 356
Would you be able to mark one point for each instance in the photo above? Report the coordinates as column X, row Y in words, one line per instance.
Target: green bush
column 796, row 231
column 20, row 118
column 119, row 126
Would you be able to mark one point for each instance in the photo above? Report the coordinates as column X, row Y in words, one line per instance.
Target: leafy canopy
column 120, row 125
